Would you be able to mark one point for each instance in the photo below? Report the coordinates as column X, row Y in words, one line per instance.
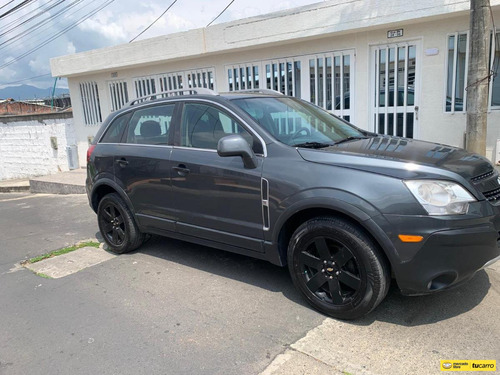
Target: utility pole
column 478, row 76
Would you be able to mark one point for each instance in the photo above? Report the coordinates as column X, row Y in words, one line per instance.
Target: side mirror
column 235, row 145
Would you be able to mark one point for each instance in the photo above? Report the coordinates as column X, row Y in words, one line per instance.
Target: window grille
column 118, row 93
column 90, row 103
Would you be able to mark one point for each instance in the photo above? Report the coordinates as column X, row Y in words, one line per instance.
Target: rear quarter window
column 115, row 131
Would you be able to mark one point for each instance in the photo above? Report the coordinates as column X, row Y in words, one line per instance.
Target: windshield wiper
column 350, row 139
column 312, row 145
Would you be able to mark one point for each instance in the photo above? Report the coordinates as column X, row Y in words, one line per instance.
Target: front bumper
column 453, row 249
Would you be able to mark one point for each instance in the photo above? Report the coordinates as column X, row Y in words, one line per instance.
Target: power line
column 17, row 20
column 24, row 79
column 57, row 35
column 3, row 6
column 16, row 8
column 161, row 15
column 19, row 24
column 39, row 24
column 42, row 27
column 220, row 14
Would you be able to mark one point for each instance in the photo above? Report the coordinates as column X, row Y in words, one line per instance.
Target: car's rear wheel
column 117, row 225
column 337, row 267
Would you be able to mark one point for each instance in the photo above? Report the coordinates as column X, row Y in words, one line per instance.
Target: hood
column 401, row 158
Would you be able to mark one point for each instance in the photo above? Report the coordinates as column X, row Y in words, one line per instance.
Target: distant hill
column 23, row 92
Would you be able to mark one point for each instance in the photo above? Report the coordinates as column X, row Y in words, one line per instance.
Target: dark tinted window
column 203, row 126
column 115, row 130
column 150, row 125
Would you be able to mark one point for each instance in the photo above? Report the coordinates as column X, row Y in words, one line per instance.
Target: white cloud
column 70, row 49
column 118, row 23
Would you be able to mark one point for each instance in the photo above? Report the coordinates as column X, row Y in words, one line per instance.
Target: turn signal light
column 410, row 238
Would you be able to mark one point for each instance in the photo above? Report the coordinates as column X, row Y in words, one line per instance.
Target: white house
column 394, row 67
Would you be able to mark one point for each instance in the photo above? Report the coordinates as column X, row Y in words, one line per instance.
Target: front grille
column 488, row 184
column 483, row 176
column 492, row 195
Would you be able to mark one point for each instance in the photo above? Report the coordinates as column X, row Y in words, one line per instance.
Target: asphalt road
column 169, row 308
column 177, row 308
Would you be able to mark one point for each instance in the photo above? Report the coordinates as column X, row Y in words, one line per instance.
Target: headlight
column 440, row 197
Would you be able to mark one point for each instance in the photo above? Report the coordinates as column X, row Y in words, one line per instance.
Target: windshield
column 297, row 123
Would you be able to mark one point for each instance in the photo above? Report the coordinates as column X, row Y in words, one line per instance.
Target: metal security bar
column 456, row 77
column 282, row 75
column 187, row 79
column 164, row 94
column 244, row 76
column 331, row 77
column 118, row 93
column 90, row 103
column 395, row 110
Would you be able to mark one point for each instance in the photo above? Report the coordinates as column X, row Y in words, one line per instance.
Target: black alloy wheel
column 113, row 227
column 331, row 270
column 337, row 267
column 117, row 225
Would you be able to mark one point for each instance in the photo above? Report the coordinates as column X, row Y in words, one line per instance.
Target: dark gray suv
column 277, row 178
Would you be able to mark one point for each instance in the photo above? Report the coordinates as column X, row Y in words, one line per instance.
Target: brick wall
column 25, row 144
column 11, row 107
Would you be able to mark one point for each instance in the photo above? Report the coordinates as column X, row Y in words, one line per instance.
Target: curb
column 14, row 189
column 37, row 186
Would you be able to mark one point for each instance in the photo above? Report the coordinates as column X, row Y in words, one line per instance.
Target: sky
column 29, row 29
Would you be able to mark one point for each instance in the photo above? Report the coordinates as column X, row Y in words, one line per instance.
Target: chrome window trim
column 265, row 204
column 187, row 99
column 137, row 144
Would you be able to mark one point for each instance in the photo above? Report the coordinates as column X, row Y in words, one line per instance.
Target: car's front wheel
column 337, row 267
column 117, row 225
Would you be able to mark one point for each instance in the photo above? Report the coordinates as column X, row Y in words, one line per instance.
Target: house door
column 395, row 85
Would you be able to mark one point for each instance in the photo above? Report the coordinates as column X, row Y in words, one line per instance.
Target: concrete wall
column 430, row 32
column 25, row 144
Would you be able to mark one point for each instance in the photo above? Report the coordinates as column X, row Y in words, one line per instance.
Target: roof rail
column 260, row 91
column 164, row 94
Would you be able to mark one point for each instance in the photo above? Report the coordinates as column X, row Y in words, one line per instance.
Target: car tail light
column 89, row 152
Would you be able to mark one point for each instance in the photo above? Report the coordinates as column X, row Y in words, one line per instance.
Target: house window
column 283, row 76
column 331, row 82
column 118, row 93
column 456, row 76
column 144, row 86
column 495, row 85
column 243, row 77
column 90, row 103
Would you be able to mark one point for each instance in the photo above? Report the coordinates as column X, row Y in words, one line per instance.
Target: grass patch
column 62, row 251
column 43, row 275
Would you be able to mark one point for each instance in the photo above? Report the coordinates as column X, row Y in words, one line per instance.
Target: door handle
column 122, row 162
column 181, row 170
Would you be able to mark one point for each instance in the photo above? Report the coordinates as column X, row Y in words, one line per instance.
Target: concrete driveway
column 177, row 308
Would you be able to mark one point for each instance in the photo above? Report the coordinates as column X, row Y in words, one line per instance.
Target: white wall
column 25, row 146
column 434, row 124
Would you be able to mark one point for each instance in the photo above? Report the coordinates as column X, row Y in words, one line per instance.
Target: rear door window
column 150, row 125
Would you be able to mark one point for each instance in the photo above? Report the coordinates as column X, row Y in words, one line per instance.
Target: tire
column 337, row 267
column 117, row 225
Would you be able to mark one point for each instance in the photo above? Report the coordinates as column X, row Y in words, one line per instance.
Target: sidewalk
column 72, row 182
column 12, row 186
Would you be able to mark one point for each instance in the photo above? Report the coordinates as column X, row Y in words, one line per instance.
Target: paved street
column 177, row 308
